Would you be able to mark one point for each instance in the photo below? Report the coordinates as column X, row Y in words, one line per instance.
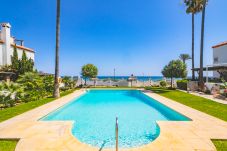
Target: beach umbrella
column 132, row 78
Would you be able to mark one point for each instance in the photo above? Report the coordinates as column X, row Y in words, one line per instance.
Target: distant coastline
column 140, row 78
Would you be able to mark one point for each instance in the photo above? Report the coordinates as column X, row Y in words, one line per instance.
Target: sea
column 140, row 78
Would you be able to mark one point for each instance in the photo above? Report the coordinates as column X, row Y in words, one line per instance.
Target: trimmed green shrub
column 163, row 83
column 182, row 84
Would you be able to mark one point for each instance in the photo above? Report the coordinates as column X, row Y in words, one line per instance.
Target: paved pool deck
column 37, row 135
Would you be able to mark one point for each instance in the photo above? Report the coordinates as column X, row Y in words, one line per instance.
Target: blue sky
column 133, row 36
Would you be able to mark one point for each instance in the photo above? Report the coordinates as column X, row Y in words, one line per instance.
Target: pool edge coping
column 152, row 95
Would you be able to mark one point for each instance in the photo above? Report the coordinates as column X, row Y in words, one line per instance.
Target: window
column 216, row 60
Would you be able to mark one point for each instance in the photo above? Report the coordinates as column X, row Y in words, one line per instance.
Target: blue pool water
column 95, row 112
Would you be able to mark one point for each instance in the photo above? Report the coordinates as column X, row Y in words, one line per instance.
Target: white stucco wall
column 219, row 56
column 1, row 57
column 20, row 51
column 7, row 47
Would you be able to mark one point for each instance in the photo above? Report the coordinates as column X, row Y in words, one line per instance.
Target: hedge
column 182, row 84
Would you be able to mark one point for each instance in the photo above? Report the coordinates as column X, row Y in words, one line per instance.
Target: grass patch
column 199, row 103
column 8, row 113
column 8, row 145
column 221, row 145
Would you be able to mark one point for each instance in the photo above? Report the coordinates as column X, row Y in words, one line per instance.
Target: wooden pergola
column 7, row 76
column 221, row 69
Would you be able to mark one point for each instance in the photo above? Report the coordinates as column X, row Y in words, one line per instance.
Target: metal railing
column 116, row 130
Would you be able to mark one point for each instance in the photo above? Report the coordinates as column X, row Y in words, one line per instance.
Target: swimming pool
column 94, row 115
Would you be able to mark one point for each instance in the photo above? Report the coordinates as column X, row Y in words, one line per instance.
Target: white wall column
column 5, row 36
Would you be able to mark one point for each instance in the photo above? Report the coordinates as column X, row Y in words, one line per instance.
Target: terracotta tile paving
column 37, row 135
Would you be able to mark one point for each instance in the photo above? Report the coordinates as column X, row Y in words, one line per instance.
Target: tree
column 69, row 82
column 20, row 66
column 33, row 86
column 14, row 59
column 89, row 71
column 203, row 4
column 25, row 64
column 10, row 93
column 175, row 69
column 192, row 8
column 48, row 82
column 184, row 57
column 56, row 75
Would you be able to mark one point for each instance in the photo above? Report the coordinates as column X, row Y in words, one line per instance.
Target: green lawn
column 8, row 145
column 16, row 110
column 221, row 145
column 205, row 105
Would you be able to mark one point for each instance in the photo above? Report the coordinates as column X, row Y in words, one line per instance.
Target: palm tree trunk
column 56, row 78
column 201, row 47
column 85, row 80
column 193, row 45
column 171, row 77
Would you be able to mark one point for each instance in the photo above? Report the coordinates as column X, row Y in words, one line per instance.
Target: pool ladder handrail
column 116, row 130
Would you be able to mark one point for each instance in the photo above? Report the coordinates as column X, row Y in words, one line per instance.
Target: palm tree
column 56, row 77
column 184, row 57
column 203, row 4
column 192, row 8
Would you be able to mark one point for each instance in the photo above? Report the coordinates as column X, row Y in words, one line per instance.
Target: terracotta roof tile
column 219, row 45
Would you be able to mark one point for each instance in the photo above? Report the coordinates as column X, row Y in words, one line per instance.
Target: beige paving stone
column 38, row 135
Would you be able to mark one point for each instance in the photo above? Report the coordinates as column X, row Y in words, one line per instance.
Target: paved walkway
column 37, row 135
column 207, row 96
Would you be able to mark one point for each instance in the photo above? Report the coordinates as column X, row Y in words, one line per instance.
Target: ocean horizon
column 140, row 78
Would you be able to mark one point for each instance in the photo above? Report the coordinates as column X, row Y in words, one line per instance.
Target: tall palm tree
column 192, row 8
column 203, row 4
column 56, row 77
column 184, row 57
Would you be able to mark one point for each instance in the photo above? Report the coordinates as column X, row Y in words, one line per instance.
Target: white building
column 7, row 44
column 219, row 56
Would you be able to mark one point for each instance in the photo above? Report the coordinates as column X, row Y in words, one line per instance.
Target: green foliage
column 10, row 94
column 184, row 57
column 48, row 82
column 89, row 71
column 182, row 84
column 33, row 86
column 221, row 145
column 224, row 86
column 23, row 107
column 163, row 83
column 14, row 59
column 7, row 68
column 224, row 83
column 69, row 82
column 25, row 64
column 193, row 6
column 29, row 87
column 20, row 66
column 176, row 69
column 8, row 145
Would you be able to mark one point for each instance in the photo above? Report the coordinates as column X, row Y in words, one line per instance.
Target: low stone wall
column 193, row 85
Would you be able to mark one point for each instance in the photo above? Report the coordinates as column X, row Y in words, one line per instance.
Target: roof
column 214, row 68
column 24, row 48
column 20, row 47
column 220, row 44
